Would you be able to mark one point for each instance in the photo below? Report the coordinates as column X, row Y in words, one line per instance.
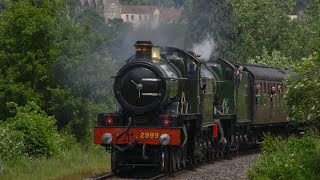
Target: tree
column 261, row 24
column 301, row 6
column 2, row 4
column 304, row 91
column 306, row 35
column 276, row 59
column 15, row 92
column 83, row 72
column 27, row 54
column 57, row 61
column 211, row 18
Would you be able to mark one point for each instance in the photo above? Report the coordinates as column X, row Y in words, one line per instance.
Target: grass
column 76, row 163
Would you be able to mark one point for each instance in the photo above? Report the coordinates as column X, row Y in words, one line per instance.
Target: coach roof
column 267, row 73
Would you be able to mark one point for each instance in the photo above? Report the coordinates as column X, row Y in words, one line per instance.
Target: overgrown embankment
column 32, row 148
column 292, row 158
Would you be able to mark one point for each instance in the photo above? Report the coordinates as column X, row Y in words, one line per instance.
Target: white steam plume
column 205, row 48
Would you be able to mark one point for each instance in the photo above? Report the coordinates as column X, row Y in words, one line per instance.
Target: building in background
column 108, row 9
column 136, row 15
column 140, row 15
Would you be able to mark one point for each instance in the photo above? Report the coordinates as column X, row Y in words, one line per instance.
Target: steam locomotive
column 176, row 109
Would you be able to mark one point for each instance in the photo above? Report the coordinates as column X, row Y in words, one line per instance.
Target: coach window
column 276, row 98
column 279, row 88
column 278, row 95
column 269, row 93
column 272, row 93
column 265, row 95
column 261, row 94
column 283, row 92
column 257, row 92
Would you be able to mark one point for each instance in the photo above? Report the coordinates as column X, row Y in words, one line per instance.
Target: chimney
column 143, row 50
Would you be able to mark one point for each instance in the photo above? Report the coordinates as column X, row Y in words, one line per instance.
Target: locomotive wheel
column 114, row 166
column 178, row 157
column 212, row 153
column 172, row 160
column 164, row 160
column 184, row 156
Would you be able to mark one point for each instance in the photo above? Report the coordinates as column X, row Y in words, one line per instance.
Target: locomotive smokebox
column 143, row 50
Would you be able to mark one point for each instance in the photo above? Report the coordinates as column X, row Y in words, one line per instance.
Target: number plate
column 151, row 135
column 144, row 135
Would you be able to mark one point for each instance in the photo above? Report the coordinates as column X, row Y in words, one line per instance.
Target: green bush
column 303, row 92
column 294, row 158
column 19, row 93
column 37, row 131
column 10, row 145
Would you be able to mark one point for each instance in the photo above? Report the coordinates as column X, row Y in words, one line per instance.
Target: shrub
column 19, row 93
column 10, row 145
column 304, row 91
column 294, row 158
column 35, row 130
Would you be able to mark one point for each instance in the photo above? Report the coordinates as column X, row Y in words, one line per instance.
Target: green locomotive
column 176, row 109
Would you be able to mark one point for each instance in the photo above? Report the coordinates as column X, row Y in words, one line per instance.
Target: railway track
column 102, row 176
column 145, row 173
column 127, row 176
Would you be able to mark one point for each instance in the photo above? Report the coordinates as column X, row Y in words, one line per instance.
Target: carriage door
column 243, row 99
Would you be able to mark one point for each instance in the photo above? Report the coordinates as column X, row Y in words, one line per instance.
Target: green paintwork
column 225, row 103
column 243, row 97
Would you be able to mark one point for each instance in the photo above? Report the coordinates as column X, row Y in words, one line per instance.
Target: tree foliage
column 306, row 35
column 276, row 59
column 304, row 92
column 261, row 24
column 265, row 25
column 83, row 72
column 55, row 60
column 15, row 92
column 27, row 33
column 27, row 54
column 211, row 18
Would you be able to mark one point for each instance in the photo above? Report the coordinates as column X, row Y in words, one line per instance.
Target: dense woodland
column 56, row 64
